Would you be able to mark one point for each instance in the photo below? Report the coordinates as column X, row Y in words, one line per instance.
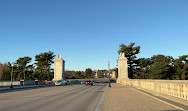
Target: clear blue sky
column 88, row 32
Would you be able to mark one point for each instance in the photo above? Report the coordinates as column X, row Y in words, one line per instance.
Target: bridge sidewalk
column 124, row 98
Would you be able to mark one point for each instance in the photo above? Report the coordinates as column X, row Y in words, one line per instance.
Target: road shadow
column 24, row 88
column 99, row 84
column 20, row 88
column 171, row 110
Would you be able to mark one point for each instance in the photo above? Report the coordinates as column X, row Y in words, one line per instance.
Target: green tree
column 181, row 65
column 89, row 73
column 2, row 67
column 161, row 67
column 30, row 71
column 22, row 65
column 159, row 70
column 142, row 71
column 162, row 58
column 78, row 74
column 69, row 74
column 7, row 72
column 43, row 62
column 130, row 53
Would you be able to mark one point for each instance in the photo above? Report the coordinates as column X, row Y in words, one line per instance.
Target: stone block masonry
column 59, row 67
column 122, row 67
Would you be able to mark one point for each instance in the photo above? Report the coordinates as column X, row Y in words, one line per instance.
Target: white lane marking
column 59, row 92
column 15, row 103
column 69, row 98
column 158, row 99
column 76, row 87
column 101, row 101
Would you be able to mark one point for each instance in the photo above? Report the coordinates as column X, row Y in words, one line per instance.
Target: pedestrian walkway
column 124, row 98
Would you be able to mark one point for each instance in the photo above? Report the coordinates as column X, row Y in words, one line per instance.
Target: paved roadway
column 59, row 98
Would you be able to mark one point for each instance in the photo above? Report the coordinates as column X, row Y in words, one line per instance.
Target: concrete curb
column 101, row 102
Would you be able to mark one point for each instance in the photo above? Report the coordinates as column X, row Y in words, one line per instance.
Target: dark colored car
column 76, row 81
column 88, row 82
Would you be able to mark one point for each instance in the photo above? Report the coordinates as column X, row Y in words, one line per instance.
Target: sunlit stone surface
column 122, row 67
column 59, row 66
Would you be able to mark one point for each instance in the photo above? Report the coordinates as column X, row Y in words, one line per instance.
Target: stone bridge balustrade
column 175, row 88
column 8, row 83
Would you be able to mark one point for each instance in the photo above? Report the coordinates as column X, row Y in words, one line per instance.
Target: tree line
column 40, row 70
column 23, row 71
column 88, row 73
column 157, row 67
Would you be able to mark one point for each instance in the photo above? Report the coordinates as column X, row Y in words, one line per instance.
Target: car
column 61, row 82
column 75, row 81
column 88, row 82
column 82, row 82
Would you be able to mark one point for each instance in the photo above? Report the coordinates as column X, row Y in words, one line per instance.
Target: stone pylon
column 96, row 74
column 59, row 67
column 113, row 75
column 122, row 67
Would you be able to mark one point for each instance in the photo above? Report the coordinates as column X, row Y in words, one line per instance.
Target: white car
column 82, row 82
column 61, row 82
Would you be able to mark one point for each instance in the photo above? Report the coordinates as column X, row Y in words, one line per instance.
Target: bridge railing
column 175, row 88
column 21, row 82
column 8, row 83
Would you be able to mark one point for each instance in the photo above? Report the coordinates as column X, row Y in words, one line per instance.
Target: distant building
column 100, row 73
column 96, row 74
column 105, row 73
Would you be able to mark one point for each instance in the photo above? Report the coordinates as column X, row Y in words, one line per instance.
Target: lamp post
column 24, row 73
column 109, row 73
column 11, row 75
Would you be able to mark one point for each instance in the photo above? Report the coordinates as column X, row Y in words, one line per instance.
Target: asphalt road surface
column 58, row 98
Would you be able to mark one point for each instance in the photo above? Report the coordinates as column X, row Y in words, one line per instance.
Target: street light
column 11, row 75
column 24, row 73
column 109, row 73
